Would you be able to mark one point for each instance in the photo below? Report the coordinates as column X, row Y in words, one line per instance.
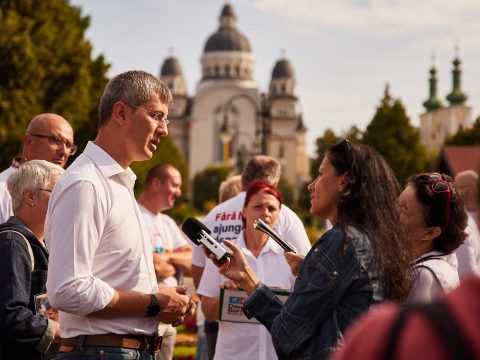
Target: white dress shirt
column 98, row 242
column 225, row 223
column 242, row 341
column 5, row 199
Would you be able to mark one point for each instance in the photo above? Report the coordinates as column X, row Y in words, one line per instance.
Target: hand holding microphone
column 260, row 225
column 200, row 235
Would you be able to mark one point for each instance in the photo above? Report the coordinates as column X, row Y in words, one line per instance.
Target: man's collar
column 107, row 165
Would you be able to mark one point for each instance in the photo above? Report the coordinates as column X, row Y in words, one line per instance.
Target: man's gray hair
column 32, row 175
column 132, row 87
column 261, row 167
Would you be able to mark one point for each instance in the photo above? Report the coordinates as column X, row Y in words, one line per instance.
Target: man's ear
column 28, row 198
column 119, row 113
column 156, row 183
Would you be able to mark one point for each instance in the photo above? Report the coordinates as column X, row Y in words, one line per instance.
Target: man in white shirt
column 172, row 254
column 467, row 182
column 101, row 274
column 468, row 253
column 225, row 223
column 48, row 137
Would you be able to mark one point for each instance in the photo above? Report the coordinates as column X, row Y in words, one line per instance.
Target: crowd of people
column 89, row 271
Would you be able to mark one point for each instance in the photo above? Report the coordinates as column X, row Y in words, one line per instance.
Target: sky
column 343, row 51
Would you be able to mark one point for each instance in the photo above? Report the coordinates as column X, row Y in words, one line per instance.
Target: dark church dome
column 170, row 66
column 227, row 37
column 283, row 69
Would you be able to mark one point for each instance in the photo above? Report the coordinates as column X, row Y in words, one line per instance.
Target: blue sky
column 343, row 51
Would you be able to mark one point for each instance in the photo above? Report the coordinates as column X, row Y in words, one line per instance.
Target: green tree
column 287, row 191
column 328, row 138
column 205, row 186
column 46, row 65
column 469, row 136
column 391, row 134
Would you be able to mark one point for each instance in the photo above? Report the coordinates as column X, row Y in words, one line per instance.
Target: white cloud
column 380, row 17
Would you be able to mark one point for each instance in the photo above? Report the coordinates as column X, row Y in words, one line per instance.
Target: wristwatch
column 154, row 308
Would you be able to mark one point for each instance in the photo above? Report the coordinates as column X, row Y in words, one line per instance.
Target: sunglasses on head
column 440, row 186
column 347, row 149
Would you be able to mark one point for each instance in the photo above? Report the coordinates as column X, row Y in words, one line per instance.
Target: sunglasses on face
column 440, row 186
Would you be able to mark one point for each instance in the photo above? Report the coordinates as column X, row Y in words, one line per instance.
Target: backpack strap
column 441, row 320
column 29, row 247
column 437, row 280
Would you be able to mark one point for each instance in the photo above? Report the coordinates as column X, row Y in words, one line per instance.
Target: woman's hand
column 236, row 268
column 230, row 285
column 294, row 261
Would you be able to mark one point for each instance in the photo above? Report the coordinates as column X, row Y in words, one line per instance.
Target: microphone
column 200, row 235
column 260, row 225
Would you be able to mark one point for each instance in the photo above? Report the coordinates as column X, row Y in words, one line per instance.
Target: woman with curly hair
column 436, row 222
column 362, row 260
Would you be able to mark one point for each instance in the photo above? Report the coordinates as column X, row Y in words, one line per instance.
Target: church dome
column 227, row 37
column 171, row 66
column 283, row 69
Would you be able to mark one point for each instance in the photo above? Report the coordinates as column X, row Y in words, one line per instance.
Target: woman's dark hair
column 452, row 220
column 370, row 204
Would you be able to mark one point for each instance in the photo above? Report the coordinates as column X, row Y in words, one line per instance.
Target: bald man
column 48, row 137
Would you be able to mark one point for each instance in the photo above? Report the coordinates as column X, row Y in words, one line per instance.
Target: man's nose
column 162, row 130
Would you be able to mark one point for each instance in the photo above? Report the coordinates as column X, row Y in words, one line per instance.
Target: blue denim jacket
column 23, row 334
column 336, row 283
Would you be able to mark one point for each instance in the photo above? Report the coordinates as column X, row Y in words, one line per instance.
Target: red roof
column 459, row 158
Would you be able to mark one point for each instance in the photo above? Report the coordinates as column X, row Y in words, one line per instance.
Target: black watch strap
column 154, row 308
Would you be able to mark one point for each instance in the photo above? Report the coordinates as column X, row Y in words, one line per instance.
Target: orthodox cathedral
column 229, row 118
column 440, row 121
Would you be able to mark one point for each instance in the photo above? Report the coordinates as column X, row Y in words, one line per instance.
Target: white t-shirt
column 243, row 341
column 5, row 199
column 225, row 223
column 426, row 287
column 98, row 242
column 468, row 254
column 165, row 236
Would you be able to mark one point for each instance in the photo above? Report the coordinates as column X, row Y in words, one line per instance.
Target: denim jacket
column 337, row 282
column 23, row 334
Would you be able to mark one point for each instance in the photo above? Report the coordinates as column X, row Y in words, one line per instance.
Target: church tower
column 438, row 121
column 286, row 136
column 226, row 119
column 179, row 110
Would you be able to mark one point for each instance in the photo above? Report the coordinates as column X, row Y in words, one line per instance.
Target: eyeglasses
column 47, row 190
column 345, row 144
column 159, row 117
column 58, row 141
column 440, row 186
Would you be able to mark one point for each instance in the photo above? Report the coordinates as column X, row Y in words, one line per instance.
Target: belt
column 151, row 343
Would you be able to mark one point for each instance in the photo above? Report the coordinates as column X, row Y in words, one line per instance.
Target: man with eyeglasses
column 101, row 273
column 48, row 137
